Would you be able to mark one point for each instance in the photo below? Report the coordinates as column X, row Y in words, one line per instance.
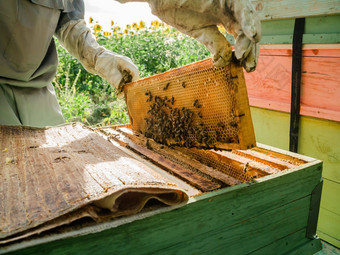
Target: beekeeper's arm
column 198, row 19
column 78, row 40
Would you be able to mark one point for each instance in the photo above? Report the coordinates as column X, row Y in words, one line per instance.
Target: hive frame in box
column 265, row 216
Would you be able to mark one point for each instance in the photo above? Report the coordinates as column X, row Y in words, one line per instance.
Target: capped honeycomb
column 198, row 105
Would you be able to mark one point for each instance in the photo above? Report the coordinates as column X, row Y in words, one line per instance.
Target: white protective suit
column 28, row 58
column 199, row 19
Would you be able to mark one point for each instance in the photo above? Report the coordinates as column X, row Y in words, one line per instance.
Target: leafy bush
column 155, row 49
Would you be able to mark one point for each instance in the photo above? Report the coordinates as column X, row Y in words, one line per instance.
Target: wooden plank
column 322, row 24
column 310, row 247
column 331, row 199
column 271, row 127
column 269, row 86
column 320, row 138
column 193, row 178
column 175, row 154
column 249, row 234
column 329, row 217
column 212, row 213
column 281, row 9
column 292, row 243
column 318, row 30
column 265, row 158
column 329, row 226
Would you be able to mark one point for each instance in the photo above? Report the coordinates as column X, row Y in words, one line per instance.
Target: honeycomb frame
column 212, row 107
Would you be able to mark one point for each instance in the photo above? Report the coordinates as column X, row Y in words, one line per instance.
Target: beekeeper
column 199, row 19
column 28, row 59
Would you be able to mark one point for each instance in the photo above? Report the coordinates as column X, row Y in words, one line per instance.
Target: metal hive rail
column 195, row 105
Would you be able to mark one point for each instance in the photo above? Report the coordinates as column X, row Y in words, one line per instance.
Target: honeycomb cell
column 195, row 105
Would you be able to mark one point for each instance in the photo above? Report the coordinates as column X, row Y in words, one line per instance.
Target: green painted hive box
column 257, row 201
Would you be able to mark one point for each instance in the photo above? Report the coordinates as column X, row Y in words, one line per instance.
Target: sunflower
column 141, row 24
column 97, row 27
column 155, row 24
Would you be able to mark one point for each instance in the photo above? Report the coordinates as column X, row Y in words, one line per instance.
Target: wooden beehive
column 259, row 201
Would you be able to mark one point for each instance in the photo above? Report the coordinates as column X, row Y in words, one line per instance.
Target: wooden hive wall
column 269, row 92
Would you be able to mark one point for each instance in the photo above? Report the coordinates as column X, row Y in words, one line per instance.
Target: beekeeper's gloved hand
column 79, row 41
column 198, row 19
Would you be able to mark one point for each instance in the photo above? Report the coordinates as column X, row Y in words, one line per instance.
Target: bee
column 228, row 140
column 172, row 100
column 183, row 84
column 233, row 124
column 240, row 115
column 200, row 115
column 166, row 86
column 150, row 98
column 221, row 125
column 245, row 167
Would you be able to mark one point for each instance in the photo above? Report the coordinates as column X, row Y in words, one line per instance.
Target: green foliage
column 90, row 99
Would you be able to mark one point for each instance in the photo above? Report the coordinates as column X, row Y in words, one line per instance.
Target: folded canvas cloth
column 53, row 176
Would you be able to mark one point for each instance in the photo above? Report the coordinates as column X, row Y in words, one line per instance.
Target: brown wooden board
column 195, row 105
column 46, row 174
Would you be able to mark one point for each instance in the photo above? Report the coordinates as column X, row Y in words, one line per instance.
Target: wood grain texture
column 281, row 9
column 318, row 30
column 331, row 199
column 329, row 227
column 47, row 173
column 330, row 240
column 195, row 178
column 235, row 219
column 301, row 245
column 318, row 138
column 269, row 86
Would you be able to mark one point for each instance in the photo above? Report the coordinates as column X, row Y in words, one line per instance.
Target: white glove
column 78, row 40
column 198, row 19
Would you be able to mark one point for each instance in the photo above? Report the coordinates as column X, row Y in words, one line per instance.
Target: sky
column 104, row 11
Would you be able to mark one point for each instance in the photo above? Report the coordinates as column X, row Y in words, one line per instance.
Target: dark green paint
column 225, row 220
